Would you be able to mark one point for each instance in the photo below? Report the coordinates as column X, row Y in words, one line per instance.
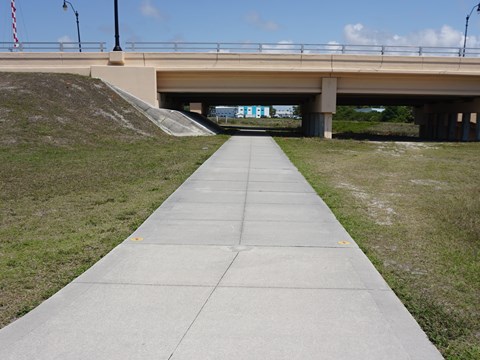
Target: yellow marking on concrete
column 344, row 242
column 136, row 239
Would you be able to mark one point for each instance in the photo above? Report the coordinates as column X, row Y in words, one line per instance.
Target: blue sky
column 406, row 22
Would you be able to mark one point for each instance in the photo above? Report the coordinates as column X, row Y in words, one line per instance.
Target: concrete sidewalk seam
column 242, row 227
column 141, row 284
column 202, row 307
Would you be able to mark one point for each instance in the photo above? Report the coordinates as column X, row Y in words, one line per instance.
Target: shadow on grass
column 263, row 131
column 289, row 132
column 377, row 137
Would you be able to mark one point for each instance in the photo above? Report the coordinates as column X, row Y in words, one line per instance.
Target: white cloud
column 446, row 36
column 148, row 9
column 65, row 39
column 281, row 47
column 255, row 19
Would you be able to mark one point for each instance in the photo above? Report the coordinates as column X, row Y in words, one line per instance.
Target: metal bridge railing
column 52, row 46
column 262, row 48
column 288, row 48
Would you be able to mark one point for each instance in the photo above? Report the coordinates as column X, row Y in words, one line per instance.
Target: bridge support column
column 477, row 126
column 420, row 119
column 466, row 126
column 196, row 107
column 199, row 108
column 162, row 100
column 453, row 121
column 442, row 126
column 317, row 118
column 328, row 124
column 317, row 125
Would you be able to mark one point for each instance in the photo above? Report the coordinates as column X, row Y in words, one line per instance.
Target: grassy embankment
column 414, row 208
column 80, row 169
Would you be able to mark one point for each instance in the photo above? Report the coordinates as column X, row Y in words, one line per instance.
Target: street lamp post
column 466, row 27
column 117, row 32
column 65, row 8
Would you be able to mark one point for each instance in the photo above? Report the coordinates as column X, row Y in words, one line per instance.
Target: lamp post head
column 65, row 7
column 478, row 8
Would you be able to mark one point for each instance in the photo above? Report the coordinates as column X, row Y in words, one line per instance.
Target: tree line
column 389, row 114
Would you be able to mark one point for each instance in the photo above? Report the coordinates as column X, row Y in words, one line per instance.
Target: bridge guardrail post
column 218, row 47
column 420, row 51
column 260, row 48
column 61, row 46
column 301, row 49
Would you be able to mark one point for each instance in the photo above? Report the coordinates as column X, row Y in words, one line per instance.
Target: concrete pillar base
column 196, row 108
column 466, row 126
column 477, row 127
column 452, row 127
column 328, row 122
column 317, row 125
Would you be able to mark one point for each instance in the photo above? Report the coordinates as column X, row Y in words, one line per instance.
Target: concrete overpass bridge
column 444, row 90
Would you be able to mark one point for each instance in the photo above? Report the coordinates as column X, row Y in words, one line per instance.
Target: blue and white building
column 225, row 111
column 283, row 111
column 256, row 111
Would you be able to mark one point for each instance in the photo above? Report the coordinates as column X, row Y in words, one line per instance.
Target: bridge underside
column 231, row 99
column 437, row 99
column 441, row 117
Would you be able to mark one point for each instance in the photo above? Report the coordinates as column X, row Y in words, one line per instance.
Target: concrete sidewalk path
column 243, row 261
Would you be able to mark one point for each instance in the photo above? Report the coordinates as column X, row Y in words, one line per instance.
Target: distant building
column 256, row 111
column 284, row 111
column 224, row 111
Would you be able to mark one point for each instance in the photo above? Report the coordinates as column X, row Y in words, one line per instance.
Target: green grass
column 80, row 169
column 414, row 208
column 365, row 128
column 260, row 123
column 63, row 209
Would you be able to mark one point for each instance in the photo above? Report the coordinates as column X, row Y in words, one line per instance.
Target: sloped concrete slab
column 251, row 323
column 147, row 264
column 189, row 232
column 111, row 321
column 224, row 185
column 229, row 174
column 201, row 211
column 209, row 196
column 313, row 268
column 280, row 187
column 284, row 233
column 288, row 212
column 266, row 197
